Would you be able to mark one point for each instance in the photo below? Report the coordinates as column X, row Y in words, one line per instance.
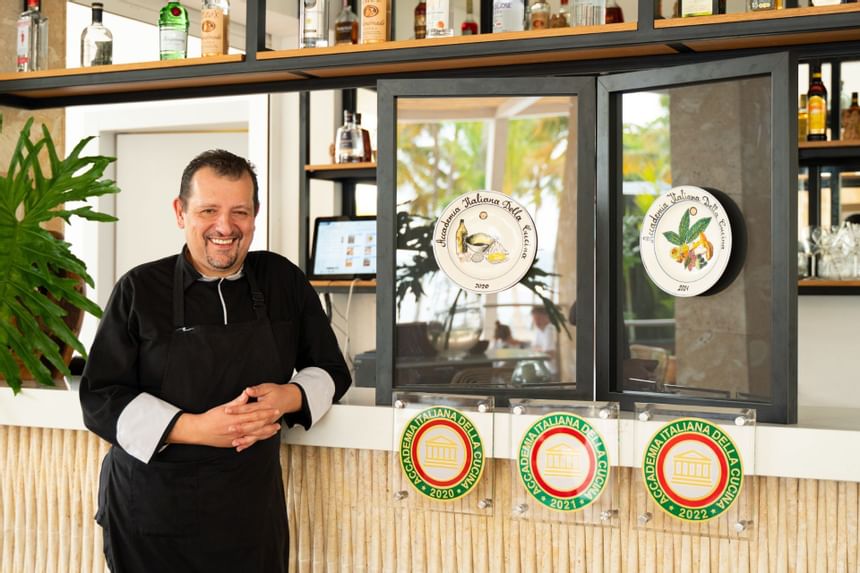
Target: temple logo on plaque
column 441, row 453
column 686, row 241
column 563, row 462
column 692, row 469
column 485, row 241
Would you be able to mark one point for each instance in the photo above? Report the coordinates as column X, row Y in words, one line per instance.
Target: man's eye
column 208, row 211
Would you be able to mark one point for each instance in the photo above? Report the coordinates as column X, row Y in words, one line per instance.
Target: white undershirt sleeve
column 318, row 386
column 141, row 425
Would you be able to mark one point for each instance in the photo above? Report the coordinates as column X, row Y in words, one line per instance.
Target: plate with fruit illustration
column 485, row 241
column 686, row 241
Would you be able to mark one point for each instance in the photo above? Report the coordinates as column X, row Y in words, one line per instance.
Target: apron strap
column 179, row 294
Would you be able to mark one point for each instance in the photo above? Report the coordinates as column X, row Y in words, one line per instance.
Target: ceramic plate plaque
column 485, row 241
column 686, row 241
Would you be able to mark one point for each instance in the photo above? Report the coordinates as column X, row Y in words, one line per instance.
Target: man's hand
column 283, row 398
column 223, row 427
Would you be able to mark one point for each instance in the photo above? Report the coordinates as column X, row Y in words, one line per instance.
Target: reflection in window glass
column 523, row 148
column 714, row 345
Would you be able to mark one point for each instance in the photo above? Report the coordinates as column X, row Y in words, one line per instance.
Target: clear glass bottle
column 215, row 27
column 538, row 14
column 32, row 38
column 421, row 20
column 173, row 31
column 562, row 18
column 469, row 27
column 313, row 23
column 439, row 19
column 373, row 21
column 508, row 15
column 346, row 25
column 349, row 141
column 96, row 41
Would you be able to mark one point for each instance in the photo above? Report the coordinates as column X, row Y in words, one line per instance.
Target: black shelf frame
column 255, row 75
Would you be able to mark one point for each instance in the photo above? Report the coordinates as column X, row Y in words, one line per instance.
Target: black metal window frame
column 389, row 91
column 782, row 69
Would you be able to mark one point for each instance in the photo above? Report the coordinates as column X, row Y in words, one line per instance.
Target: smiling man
column 198, row 359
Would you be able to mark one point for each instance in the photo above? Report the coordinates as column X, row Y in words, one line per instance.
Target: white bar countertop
column 825, row 444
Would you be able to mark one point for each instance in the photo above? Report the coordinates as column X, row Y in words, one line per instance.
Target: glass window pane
column 525, row 148
column 717, row 345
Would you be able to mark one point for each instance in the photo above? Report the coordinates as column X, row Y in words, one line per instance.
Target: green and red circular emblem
column 441, row 453
column 692, row 469
column 563, row 462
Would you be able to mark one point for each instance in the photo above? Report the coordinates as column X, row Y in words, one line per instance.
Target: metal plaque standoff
column 441, row 453
column 563, row 455
column 693, row 470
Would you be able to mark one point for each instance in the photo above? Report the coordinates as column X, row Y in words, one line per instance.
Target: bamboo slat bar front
column 342, row 518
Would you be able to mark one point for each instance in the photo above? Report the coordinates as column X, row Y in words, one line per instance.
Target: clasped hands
column 239, row 423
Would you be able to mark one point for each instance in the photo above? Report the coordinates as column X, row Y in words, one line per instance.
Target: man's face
column 218, row 221
column 540, row 319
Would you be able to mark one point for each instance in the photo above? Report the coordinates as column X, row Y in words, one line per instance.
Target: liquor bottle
column 313, row 23
column 215, row 27
column 816, row 104
column 851, row 120
column 508, row 15
column 96, row 41
column 589, row 12
column 561, row 19
column 760, row 5
column 173, row 31
column 614, row 14
column 439, row 19
column 349, row 141
column 346, row 26
column 32, row 38
column 421, row 20
column 469, row 27
column 802, row 120
column 702, row 7
column 373, row 21
column 538, row 15
column 365, row 140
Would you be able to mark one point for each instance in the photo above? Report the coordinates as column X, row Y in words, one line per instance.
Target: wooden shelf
column 537, row 51
column 360, row 286
column 354, row 172
column 829, row 152
column 828, row 287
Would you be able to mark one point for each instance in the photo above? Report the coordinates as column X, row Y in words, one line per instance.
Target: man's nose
column 222, row 223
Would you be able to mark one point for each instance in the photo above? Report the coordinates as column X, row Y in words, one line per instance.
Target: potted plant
column 39, row 274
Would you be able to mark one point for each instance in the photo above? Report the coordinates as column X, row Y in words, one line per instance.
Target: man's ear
column 180, row 213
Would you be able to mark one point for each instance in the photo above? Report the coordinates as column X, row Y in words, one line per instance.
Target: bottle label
column 314, row 28
column 213, row 32
column 439, row 16
column 22, row 46
column 420, row 26
column 817, row 114
column 374, row 21
column 696, row 8
column 508, row 15
column 343, row 32
column 538, row 19
column 173, row 40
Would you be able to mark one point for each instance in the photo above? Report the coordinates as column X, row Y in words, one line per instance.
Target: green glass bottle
column 173, row 31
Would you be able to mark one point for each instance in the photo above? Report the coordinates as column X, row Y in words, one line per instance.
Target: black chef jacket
column 128, row 357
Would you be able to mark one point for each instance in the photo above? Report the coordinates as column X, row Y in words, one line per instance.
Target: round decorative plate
column 686, row 241
column 485, row 241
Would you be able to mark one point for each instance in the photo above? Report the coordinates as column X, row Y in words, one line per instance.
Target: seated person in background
column 545, row 337
column 502, row 337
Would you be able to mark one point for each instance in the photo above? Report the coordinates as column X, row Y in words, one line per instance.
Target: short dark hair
column 225, row 164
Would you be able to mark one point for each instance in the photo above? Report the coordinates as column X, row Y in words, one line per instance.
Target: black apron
column 199, row 508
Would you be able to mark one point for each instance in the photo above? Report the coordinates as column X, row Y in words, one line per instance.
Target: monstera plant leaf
column 37, row 269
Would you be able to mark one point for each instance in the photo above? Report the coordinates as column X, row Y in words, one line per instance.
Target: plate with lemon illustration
column 686, row 241
column 485, row 241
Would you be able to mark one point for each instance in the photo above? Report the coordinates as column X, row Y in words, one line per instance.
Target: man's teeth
column 221, row 241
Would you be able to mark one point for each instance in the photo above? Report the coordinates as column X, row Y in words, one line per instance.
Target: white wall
column 828, row 351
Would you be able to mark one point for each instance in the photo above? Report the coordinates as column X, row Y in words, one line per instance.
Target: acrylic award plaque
column 485, row 241
column 686, row 241
column 694, row 467
column 441, row 453
column 563, row 453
